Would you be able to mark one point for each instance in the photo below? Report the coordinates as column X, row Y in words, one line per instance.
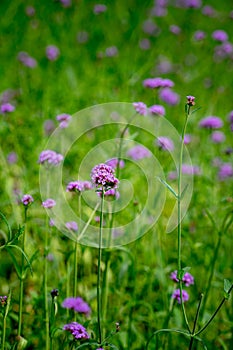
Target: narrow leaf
column 22, row 252
column 7, row 224
column 168, row 187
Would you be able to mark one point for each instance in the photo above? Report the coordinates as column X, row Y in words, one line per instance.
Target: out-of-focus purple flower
column 208, row 11
column 199, row 35
column 188, row 279
column 12, row 158
column 174, row 29
column 72, row 226
column 189, row 3
column 165, row 143
column 7, row 108
column 114, row 163
column 149, row 27
column 27, row 60
column 139, row 152
column 223, row 51
column 140, row 108
column 225, row 171
column 63, row 120
column 110, row 194
column 66, row 3
column 144, row 44
column 30, row 11
column 230, row 117
column 218, row 137
column 78, row 186
column 164, row 66
column 187, row 139
column 49, row 126
column 111, row 51
column 54, row 293
column 158, row 11
column 51, row 223
column 50, row 257
column 82, row 37
column 77, row 330
column 99, row 8
column 77, row 304
column 27, row 199
column 190, row 100
column 52, row 52
column 211, row 122
column 228, row 151
column 103, row 175
column 220, row 35
column 190, row 169
column 176, row 295
column 157, row 109
column 170, row 97
column 50, row 157
column 158, row 82
column 49, row 203
column 3, row 300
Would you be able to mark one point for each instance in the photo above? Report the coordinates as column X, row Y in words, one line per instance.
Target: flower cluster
column 50, row 157
column 72, row 226
column 165, row 143
column 77, row 304
column 188, row 280
column 157, row 110
column 114, row 163
column 140, row 108
column 52, row 52
column 78, row 186
column 103, row 175
column 211, row 122
column 138, row 152
column 63, row 120
column 154, row 83
column 7, row 108
column 3, row 300
column 49, row 203
column 77, row 330
column 27, row 199
column 190, row 100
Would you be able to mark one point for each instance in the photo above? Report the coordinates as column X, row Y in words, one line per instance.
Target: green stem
column 4, row 320
column 99, row 304
column 179, row 228
column 21, row 287
column 46, row 306
column 195, row 322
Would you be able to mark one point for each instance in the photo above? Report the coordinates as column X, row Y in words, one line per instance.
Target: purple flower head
column 78, row 186
column 103, row 175
column 64, row 120
column 77, row 330
column 190, row 3
column 99, row 8
column 7, row 108
column 114, row 163
column 158, row 82
column 225, row 171
column 170, row 97
column 190, row 169
column 199, row 35
column 138, row 152
column 140, row 108
column 54, row 293
column 176, row 295
column 188, row 279
column 187, row 139
column 27, row 60
column 165, row 143
column 49, row 126
column 220, row 35
column 149, row 27
column 50, row 157
column 3, row 300
column 65, row 3
column 144, row 44
column 174, row 29
column 12, row 158
column 110, row 194
column 77, row 304
column 52, row 52
column 208, row 11
column 218, row 137
column 30, row 11
column 190, row 100
column 230, row 117
column 27, row 199
column 111, row 51
column 72, row 226
column 211, row 122
column 157, row 110
column 49, row 203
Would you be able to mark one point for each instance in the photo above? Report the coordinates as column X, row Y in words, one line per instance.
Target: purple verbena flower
column 190, row 169
column 49, row 203
column 208, row 11
column 54, row 293
column 190, row 100
column 111, row 51
column 220, row 35
column 176, row 295
column 77, row 330
column 99, row 8
column 110, row 194
column 103, row 175
column 138, row 152
column 230, row 117
column 187, row 139
column 49, row 126
column 188, row 279
column 78, row 186
column 72, row 226
column 50, row 157
column 168, row 96
column 140, row 108
column 190, row 3
column 174, row 29
column 3, row 300
column 7, row 108
column 27, row 199
column 114, row 163
column 144, row 44
column 158, row 82
column 211, row 122
column 52, row 52
column 77, row 304
column 218, row 136
column 12, row 158
column 64, row 120
column 30, row 11
column 199, row 35
column 165, row 143
column 27, row 60
column 225, row 171
column 157, row 110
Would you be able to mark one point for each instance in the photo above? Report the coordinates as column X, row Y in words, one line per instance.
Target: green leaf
column 227, row 288
column 183, row 192
column 7, row 224
column 15, row 262
column 168, row 187
column 195, row 110
column 22, row 252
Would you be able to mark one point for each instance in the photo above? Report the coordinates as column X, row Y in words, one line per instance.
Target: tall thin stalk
column 46, row 306
column 99, row 302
